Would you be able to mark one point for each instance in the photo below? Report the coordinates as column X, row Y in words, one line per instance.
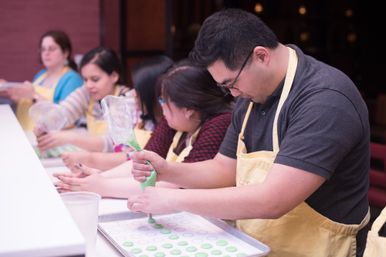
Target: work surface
column 30, row 206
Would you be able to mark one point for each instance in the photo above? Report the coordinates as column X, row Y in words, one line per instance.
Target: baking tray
column 179, row 234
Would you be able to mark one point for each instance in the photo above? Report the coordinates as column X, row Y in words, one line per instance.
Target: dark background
column 345, row 34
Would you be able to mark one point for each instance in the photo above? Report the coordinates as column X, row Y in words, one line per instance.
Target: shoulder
column 216, row 124
column 72, row 75
column 125, row 91
column 41, row 72
column 222, row 118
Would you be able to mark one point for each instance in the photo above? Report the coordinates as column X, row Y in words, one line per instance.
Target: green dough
column 151, row 248
column 182, row 243
column 143, row 255
column 216, row 252
column 206, row 246
column 175, row 252
column 221, row 242
column 159, row 254
column 191, row 249
column 241, row 255
column 150, row 180
column 127, row 244
column 165, row 231
column 157, row 226
column 136, row 250
column 231, row 249
column 201, row 254
column 167, row 246
column 173, row 237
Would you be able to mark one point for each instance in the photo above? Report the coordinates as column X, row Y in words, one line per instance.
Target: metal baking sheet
column 178, row 234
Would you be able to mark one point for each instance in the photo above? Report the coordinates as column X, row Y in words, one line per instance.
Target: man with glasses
column 293, row 167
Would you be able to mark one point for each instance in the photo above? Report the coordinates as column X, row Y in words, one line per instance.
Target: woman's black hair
column 106, row 59
column 63, row 40
column 192, row 87
column 144, row 75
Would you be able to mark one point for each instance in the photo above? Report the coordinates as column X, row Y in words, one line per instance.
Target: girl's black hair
column 144, row 76
column 106, row 59
column 192, row 87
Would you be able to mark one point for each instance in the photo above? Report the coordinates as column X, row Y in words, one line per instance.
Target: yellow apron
column 302, row 231
column 376, row 244
column 23, row 105
column 98, row 126
column 171, row 156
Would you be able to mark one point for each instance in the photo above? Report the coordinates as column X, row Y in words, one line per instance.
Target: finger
column 62, row 174
column 62, row 186
column 134, row 204
column 60, row 190
column 64, row 156
column 70, row 180
column 78, row 167
column 87, row 170
column 68, row 187
column 140, row 178
column 140, row 173
column 143, row 167
column 44, row 145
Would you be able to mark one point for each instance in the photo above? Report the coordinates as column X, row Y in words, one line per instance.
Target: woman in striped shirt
column 149, row 113
column 100, row 69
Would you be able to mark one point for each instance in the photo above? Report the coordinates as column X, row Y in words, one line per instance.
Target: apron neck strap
column 289, row 77
column 246, row 119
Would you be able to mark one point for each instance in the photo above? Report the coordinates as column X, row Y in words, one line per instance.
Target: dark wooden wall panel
column 146, row 25
column 22, row 22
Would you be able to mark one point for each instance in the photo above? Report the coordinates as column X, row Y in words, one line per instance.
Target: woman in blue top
column 53, row 83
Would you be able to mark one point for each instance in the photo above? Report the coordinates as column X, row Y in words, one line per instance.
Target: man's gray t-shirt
column 323, row 129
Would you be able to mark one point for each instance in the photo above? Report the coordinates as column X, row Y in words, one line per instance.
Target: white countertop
column 33, row 219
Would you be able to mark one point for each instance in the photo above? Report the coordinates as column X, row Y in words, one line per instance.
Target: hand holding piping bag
column 150, row 181
column 118, row 114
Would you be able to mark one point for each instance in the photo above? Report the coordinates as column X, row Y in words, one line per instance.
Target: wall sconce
column 259, row 8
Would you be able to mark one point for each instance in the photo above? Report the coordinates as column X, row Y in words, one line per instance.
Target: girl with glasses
column 197, row 115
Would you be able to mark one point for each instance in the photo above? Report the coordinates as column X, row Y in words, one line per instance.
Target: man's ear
column 261, row 54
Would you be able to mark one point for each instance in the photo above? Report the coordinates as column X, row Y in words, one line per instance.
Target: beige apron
column 46, row 93
column 376, row 244
column 98, row 126
column 171, row 156
column 302, row 231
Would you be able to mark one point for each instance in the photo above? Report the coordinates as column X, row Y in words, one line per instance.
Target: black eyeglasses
column 231, row 85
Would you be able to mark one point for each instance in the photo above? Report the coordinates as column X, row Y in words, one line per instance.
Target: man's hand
column 154, row 200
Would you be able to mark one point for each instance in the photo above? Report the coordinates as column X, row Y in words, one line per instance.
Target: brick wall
column 22, row 22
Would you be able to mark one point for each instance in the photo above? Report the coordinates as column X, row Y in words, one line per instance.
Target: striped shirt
column 76, row 106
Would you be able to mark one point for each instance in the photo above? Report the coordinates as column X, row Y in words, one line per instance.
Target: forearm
column 122, row 170
column 120, row 187
column 105, row 161
column 283, row 189
column 227, row 203
column 88, row 142
column 219, row 172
